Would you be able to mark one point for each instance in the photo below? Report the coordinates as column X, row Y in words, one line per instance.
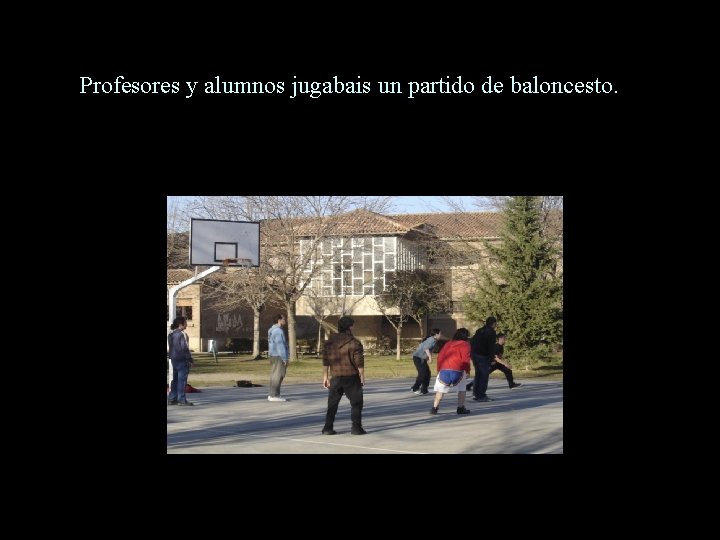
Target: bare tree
column 292, row 231
column 323, row 307
column 177, row 236
column 239, row 287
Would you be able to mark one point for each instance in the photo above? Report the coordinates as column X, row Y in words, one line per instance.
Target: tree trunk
column 317, row 347
column 292, row 339
column 256, row 333
column 399, row 335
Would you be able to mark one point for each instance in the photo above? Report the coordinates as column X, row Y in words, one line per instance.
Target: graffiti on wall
column 227, row 322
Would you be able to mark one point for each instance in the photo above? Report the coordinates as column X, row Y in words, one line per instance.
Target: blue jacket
column 179, row 349
column 277, row 346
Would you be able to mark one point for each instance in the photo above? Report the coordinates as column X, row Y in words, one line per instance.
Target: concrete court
column 228, row 420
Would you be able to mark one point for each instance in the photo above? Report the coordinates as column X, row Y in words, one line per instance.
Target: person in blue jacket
column 279, row 355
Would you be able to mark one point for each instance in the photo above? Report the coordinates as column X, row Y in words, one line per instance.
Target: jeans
column 181, row 368
column 353, row 389
column 423, row 377
column 482, row 373
column 277, row 374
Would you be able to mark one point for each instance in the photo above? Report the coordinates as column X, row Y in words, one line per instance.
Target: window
column 184, row 311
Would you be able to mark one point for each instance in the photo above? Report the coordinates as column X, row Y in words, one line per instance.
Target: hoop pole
column 172, row 295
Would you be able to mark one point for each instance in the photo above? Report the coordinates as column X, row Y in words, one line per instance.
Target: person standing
column 453, row 364
column 344, row 358
column 422, row 357
column 482, row 347
column 279, row 355
column 181, row 361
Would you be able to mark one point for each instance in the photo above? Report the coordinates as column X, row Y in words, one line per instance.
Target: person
column 453, row 364
column 181, row 360
column 279, row 355
column 482, row 348
column 500, row 364
column 344, row 358
column 422, row 357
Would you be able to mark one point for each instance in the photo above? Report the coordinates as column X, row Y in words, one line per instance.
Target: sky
column 415, row 204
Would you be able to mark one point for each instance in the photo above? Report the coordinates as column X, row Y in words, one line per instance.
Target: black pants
column 497, row 365
column 507, row 371
column 423, row 377
column 351, row 387
column 482, row 374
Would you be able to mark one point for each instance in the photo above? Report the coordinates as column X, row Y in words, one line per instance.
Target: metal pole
column 172, row 295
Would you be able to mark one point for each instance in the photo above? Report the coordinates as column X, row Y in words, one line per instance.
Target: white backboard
column 213, row 241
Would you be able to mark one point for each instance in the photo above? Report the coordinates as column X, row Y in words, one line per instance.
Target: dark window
column 184, row 311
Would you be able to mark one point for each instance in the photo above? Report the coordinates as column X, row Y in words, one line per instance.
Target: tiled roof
column 450, row 225
column 175, row 276
column 361, row 222
column 456, row 224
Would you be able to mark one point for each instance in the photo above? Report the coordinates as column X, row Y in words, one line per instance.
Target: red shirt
column 455, row 355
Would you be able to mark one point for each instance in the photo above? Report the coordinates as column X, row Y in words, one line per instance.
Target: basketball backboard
column 234, row 243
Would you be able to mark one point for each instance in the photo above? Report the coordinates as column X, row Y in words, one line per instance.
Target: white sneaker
column 270, row 398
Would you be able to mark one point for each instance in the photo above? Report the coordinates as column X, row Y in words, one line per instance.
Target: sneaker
column 483, row 399
column 425, row 392
column 173, row 402
column 417, row 392
column 357, row 431
column 434, row 410
column 462, row 410
column 186, row 403
column 278, row 398
column 469, row 387
column 329, row 432
column 515, row 385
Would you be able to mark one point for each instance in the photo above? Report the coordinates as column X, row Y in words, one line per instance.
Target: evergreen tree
column 521, row 287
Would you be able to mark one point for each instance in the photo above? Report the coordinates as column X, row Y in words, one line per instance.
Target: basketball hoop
column 226, row 262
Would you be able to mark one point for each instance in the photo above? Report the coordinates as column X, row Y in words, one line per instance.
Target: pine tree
column 521, row 288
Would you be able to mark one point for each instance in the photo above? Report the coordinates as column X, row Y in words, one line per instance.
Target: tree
column 550, row 206
column 520, row 286
column 323, row 307
column 414, row 294
column 285, row 222
column 177, row 238
column 239, row 287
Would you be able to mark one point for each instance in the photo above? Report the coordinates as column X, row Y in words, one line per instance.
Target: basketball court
column 228, row 420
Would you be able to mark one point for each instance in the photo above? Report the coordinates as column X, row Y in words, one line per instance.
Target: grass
column 308, row 369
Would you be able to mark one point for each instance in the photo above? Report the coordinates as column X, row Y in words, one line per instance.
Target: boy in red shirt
column 453, row 364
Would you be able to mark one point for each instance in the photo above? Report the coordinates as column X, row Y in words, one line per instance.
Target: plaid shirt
column 341, row 351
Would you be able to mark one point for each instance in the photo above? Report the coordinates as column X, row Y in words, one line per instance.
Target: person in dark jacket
column 482, row 347
column 499, row 362
column 344, row 358
column 181, row 360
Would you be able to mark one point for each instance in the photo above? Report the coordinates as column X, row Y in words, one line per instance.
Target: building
column 188, row 305
column 355, row 262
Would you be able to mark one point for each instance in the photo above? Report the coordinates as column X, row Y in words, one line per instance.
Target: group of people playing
column 485, row 350
column 344, row 367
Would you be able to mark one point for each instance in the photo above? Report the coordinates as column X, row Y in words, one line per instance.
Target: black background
column 137, row 149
